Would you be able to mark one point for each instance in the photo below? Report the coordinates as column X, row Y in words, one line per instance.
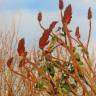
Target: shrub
column 62, row 66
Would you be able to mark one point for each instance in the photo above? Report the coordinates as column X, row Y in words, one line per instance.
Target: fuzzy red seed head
column 67, row 14
column 39, row 16
column 77, row 33
column 9, row 62
column 21, row 48
column 89, row 14
column 61, row 4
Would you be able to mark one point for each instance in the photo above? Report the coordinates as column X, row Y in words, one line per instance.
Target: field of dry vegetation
column 62, row 66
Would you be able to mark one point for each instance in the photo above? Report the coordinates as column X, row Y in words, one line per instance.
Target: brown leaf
column 39, row 16
column 67, row 14
column 21, row 47
column 89, row 13
column 9, row 62
column 61, row 4
column 77, row 33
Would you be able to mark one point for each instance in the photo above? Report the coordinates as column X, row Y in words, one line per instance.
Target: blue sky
column 24, row 13
column 50, row 5
column 29, row 5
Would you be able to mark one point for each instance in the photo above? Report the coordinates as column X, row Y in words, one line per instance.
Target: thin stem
column 41, row 26
column 22, row 75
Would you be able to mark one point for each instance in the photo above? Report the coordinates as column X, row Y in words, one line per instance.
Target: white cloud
column 26, row 23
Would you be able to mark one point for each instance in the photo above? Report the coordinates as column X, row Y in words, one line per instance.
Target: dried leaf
column 67, row 14
column 21, row 47
column 44, row 39
column 39, row 16
column 85, row 50
column 9, row 62
column 89, row 13
column 61, row 4
column 77, row 33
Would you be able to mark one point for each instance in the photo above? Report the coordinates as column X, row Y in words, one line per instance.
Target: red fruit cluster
column 67, row 14
column 21, row 47
column 61, row 4
column 77, row 33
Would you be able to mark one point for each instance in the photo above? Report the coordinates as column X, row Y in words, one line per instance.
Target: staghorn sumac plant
column 63, row 67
